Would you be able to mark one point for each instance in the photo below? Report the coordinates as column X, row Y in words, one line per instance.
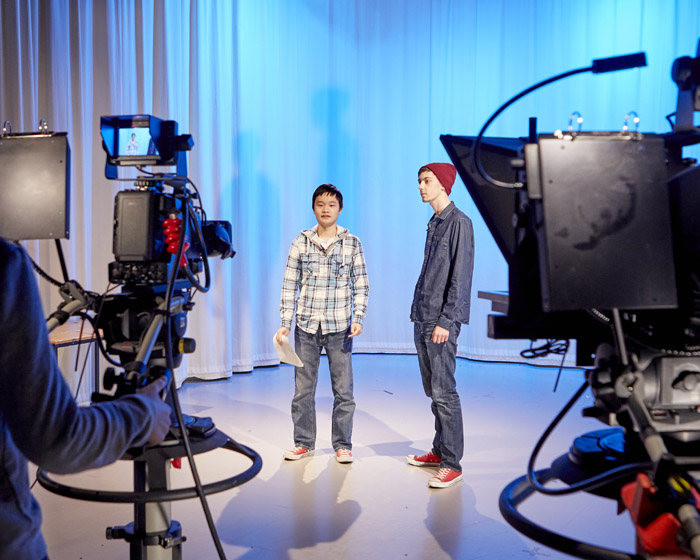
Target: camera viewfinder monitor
column 143, row 140
column 131, row 139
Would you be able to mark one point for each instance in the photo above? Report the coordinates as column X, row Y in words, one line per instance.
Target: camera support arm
column 75, row 298
column 618, row 384
column 668, row 474
column 139, row 366
column 631, row 383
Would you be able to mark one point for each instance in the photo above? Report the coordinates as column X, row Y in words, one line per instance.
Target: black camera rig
column 162, row 241
column 599, row 231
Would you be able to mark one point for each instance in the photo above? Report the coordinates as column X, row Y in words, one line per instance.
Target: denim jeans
column 437, row 368
column 339, row 351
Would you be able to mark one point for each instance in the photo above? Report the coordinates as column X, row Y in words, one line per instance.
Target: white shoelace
column 442, row 473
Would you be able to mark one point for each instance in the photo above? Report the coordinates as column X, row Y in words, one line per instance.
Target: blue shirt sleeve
column 36, row 406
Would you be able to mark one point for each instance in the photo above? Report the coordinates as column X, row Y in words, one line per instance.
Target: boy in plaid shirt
column 325, row 282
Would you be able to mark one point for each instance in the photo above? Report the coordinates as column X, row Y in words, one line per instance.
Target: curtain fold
column 283, row 96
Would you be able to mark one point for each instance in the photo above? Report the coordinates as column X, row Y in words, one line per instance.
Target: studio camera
column 149, row 219
column 599, row 230
column 161, row 243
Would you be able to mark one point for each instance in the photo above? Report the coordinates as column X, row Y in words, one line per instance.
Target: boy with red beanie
column 441, row 303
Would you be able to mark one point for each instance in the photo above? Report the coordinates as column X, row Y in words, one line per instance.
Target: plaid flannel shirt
column 331, row 284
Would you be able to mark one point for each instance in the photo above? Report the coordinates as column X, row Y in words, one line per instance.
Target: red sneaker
column 297, row 453
column 444, row 478
column 343, row 456
column 427, row 460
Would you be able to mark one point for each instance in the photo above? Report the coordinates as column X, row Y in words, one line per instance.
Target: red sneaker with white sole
column 445, row 478
column 297, row 453
column 343, row 456
column 427, row 460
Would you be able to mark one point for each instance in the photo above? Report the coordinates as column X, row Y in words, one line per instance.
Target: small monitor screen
column 135, row 142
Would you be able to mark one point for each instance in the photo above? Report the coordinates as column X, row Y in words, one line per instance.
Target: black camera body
column 161, row 242
column 146, row 231
column 140, row 237
column 599, row 231
column 139, row 240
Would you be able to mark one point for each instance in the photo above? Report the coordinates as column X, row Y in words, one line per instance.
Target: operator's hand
column 440, row 335
column 161, row 420
column 355, row 329
column 283, row 331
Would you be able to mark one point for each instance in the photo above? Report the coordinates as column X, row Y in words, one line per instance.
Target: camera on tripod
column 161, row 243
column 599, row 231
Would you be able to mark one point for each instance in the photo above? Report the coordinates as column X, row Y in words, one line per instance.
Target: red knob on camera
column 172, row 228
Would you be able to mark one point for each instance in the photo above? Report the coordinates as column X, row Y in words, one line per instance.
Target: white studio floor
column 378, row 506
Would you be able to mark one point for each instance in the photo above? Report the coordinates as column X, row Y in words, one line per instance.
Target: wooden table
column 68, row 334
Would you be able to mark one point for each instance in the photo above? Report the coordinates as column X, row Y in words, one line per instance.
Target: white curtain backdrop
column 283, row 95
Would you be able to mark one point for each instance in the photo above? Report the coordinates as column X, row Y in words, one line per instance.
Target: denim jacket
column 443, row 290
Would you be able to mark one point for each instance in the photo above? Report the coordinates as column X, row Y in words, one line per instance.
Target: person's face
column 326, row 210
column 429, row 186
column 133, row 136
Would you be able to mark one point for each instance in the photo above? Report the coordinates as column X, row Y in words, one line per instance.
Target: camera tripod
column 654, row 477
column 154, row 535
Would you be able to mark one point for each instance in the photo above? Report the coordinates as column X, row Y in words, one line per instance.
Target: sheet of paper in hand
column 286, row 353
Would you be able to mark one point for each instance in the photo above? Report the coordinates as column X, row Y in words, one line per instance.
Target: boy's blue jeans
column 437, row 368
column 339, row 351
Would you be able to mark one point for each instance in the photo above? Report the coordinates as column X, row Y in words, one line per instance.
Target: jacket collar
column 312, row 232
column 446, row 212
column 312, row 237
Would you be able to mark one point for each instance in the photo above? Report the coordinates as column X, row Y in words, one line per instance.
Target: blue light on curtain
column 281, row 96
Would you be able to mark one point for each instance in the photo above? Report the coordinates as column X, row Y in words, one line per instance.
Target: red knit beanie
column 445, row 173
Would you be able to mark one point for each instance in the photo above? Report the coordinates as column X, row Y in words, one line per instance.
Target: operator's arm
column 35, row 401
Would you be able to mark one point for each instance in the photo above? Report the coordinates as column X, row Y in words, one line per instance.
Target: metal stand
column 153, row 535
column 591, row 454
column 517, row 492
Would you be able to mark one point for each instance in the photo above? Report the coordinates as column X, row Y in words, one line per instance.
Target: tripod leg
column 153, row 525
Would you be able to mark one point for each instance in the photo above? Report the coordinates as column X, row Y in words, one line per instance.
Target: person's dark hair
column 424, row 168
column 327, row 188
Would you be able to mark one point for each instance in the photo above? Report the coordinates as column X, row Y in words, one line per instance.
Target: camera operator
column 40, row 421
